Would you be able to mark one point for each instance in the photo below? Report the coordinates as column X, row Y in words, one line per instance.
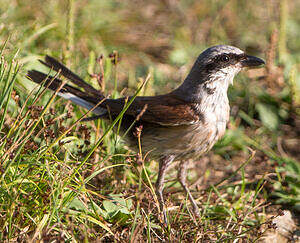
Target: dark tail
column 64, row 71
column 87, row 99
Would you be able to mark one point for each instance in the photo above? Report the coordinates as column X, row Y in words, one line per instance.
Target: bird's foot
column 196, row 210
column 165, row 218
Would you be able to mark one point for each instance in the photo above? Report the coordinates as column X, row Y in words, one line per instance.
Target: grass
column 67, row 180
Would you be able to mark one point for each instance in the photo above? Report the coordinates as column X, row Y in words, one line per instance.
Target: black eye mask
column 222, row 61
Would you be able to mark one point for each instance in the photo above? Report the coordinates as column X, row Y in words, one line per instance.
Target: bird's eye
column 225, row 58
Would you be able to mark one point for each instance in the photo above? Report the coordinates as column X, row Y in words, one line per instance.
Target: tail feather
column 67, row 91
column 59, row 67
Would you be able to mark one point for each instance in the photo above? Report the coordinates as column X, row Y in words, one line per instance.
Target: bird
column 177, row 126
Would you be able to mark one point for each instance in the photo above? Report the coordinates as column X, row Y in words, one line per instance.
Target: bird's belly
column 183, row 142
column 203, row 139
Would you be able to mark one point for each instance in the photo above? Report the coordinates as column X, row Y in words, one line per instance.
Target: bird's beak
column 251, row 61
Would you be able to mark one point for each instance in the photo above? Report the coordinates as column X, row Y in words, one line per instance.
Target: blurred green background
column 166, row 35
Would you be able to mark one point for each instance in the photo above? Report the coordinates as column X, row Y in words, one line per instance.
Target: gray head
column 215, row 69
column 225, row 60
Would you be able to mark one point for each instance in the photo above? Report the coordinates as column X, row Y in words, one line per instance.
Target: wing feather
column 165, row 110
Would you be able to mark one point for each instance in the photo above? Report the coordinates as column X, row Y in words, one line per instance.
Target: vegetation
column 67, row 180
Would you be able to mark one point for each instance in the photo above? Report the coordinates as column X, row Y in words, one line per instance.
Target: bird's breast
column 216, row 115
column 215, row 112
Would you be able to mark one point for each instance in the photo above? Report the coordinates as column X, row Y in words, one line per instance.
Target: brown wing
column 165, row 110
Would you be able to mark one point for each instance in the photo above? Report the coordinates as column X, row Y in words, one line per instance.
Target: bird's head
column 214, row 70
column 224, row 62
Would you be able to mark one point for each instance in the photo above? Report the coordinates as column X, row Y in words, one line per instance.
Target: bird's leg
column 182, row 173
column 164, row 163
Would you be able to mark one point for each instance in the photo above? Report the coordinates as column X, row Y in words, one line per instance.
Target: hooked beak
column 251, row 61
